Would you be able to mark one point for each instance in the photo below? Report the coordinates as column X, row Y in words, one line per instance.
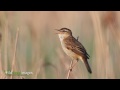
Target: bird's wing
column 74, row 45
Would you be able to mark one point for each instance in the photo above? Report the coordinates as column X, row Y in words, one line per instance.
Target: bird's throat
column 61, row 37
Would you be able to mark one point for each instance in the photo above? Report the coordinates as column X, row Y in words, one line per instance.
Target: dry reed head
column 109, row 18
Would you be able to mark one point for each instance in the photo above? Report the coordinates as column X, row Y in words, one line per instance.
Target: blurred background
column 28, row 43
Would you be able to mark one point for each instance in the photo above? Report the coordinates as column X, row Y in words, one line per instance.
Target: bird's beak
column 57, row 31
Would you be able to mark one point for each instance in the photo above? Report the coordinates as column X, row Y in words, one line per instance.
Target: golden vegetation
column 37, row 48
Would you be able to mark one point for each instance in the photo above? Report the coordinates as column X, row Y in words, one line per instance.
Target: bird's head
column 65, row 32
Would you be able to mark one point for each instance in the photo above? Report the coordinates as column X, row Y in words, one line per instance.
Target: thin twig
column 70, row 69
column 14, row 55
column 74, row 64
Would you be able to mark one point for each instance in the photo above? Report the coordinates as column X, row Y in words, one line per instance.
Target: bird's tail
column 87, row 66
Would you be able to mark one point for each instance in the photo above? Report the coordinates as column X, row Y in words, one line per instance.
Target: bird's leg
column 68, row 74
column 73, row 65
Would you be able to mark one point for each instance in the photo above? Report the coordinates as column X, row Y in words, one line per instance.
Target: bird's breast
column 69, row 52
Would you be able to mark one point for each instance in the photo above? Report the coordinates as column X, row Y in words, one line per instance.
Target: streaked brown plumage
column 73, row 47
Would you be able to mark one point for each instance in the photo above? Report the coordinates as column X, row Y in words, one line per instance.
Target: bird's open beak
column 57, row 31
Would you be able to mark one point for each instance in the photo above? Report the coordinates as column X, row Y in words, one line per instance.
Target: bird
column 72, row 47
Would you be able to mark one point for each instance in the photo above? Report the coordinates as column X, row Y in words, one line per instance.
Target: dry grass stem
column 70, row 69
column 14, row 54
column 5, row 47
column 1, row 73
